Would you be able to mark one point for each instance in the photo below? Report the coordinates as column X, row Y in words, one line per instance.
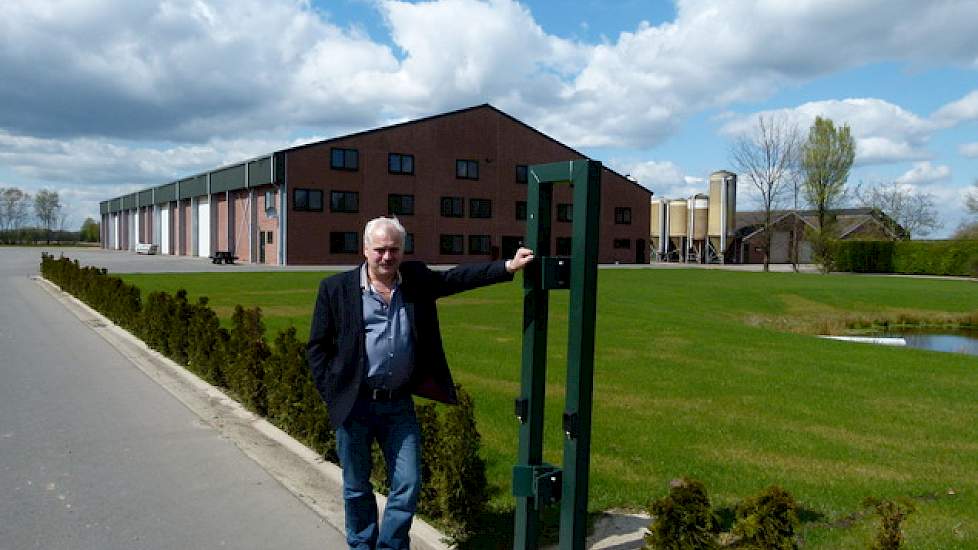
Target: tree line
column 785, row 168
column 41, row 217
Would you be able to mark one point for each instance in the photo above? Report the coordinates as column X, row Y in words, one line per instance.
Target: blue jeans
column 395, row 427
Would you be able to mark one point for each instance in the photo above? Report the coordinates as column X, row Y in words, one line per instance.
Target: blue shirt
column 387, row 329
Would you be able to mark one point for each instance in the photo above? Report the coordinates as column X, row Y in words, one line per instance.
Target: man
column 374, row 342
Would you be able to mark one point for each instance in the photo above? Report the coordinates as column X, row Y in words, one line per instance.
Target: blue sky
column 112, row 96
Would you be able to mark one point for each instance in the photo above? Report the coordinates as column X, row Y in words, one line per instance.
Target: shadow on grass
column 496, row 529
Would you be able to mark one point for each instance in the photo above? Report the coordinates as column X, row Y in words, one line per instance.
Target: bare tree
column 14, row 211
column 914, row 211
column 47, row 208
column 766, row 158
column 971, row 198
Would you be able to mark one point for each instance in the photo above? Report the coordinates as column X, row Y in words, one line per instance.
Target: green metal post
column 536, row 484
column 580, row 359
column 534, row 367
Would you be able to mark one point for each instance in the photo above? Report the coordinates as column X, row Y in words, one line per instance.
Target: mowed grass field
column 696, row 375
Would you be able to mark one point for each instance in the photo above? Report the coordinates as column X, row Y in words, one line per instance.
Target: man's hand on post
column 522, row 257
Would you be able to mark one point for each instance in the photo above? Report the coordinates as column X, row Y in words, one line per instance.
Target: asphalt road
column 95, row 455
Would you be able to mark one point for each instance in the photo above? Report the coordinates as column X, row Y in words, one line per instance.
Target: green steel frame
column 536, row 484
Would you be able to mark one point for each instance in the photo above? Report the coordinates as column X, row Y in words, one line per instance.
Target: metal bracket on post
column 536, row 484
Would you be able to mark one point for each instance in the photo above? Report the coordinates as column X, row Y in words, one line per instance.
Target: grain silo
column 698, row 213
column 678, row 227
column 659, row 230
column 723, row 213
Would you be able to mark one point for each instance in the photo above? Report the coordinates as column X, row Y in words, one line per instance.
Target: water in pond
column 957, row 341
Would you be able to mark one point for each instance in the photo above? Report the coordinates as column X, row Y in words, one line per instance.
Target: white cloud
column 962, row 110
column 969, row 150
column 884, row 132
column 664, row 178
column 924, row 173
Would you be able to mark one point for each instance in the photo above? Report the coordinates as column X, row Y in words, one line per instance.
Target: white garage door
column 165, row 230
column 203, row 228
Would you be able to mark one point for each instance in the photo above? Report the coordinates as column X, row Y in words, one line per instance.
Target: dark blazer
column 337, row 353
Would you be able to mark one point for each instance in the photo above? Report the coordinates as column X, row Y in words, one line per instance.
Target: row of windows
column 400, row 163
column 348, row 242
column 451, row 207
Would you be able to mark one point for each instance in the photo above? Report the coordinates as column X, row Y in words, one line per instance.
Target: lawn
column 696, row 374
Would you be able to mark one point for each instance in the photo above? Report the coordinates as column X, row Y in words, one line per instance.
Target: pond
column 955, row 341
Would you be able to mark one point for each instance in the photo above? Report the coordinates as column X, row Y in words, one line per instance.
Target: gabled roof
column 751, row 222
column 456, row 113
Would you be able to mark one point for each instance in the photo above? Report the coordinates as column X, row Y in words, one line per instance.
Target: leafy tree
column 913, row 210
column 766, row 157
column 826, row 159
column 47, row 208
column 90, row 231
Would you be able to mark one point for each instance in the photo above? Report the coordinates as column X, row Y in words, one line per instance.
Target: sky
column 103, row 97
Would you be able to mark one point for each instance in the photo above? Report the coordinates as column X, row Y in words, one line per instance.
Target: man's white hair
column 386, row 224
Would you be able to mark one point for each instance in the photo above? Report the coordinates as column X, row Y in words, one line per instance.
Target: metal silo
column 678, row 227
column 722, row 214
column 698, row 212
column 659, row 230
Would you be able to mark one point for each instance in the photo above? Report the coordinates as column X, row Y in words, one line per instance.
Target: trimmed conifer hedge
column 911, row 257
column 275, row 381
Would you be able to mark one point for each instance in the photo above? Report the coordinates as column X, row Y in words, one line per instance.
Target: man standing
column 374, row 342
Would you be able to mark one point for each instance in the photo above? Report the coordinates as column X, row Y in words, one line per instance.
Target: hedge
column 911, row 257
column 275, row 381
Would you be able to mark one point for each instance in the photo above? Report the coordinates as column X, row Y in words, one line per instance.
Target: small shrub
column 683, row 519
column 207, row 344
column 767, row 520
column 890, row 535
column 428, row 422
column 459, row 472
column 247, row 352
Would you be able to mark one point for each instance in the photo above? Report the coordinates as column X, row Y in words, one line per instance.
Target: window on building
column 520, row 210
column 270, row 203
column 452, row 207
column 565, row 212
column 451, row 244
column 400, row 164
column 343, row 242
column 479, row 244
column 344, row 201
column 400, row 205
column 467, row 169
column 409, row 243
column 344, row 159
column 564, row 246
column 307, row 200
column 269, row 239
column 623, row 215
column 521, row 173
column 480, row 208
column 622, row 243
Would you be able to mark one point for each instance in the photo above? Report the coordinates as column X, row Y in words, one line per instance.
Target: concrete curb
column 303, row 472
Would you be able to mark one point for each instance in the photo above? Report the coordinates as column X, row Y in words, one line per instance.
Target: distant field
column 696, row 375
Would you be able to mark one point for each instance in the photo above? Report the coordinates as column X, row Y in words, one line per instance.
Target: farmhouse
column 458, row 182
column 851, row 224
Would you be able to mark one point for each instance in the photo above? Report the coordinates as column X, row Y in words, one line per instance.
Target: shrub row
column 275, row 382
column 912, row 257
column 684, row 519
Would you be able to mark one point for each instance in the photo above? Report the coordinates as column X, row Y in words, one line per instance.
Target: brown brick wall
column 219, row 241
column 268, row 224
column 496, row 141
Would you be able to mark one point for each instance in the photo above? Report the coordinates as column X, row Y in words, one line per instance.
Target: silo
column 678, row 226
column 698, row 212
column 659, row 230
column 722, row 214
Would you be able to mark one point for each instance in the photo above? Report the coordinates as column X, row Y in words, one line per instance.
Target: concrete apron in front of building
column 314, row 481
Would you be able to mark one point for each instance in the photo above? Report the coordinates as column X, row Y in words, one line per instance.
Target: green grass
column 696, row 375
